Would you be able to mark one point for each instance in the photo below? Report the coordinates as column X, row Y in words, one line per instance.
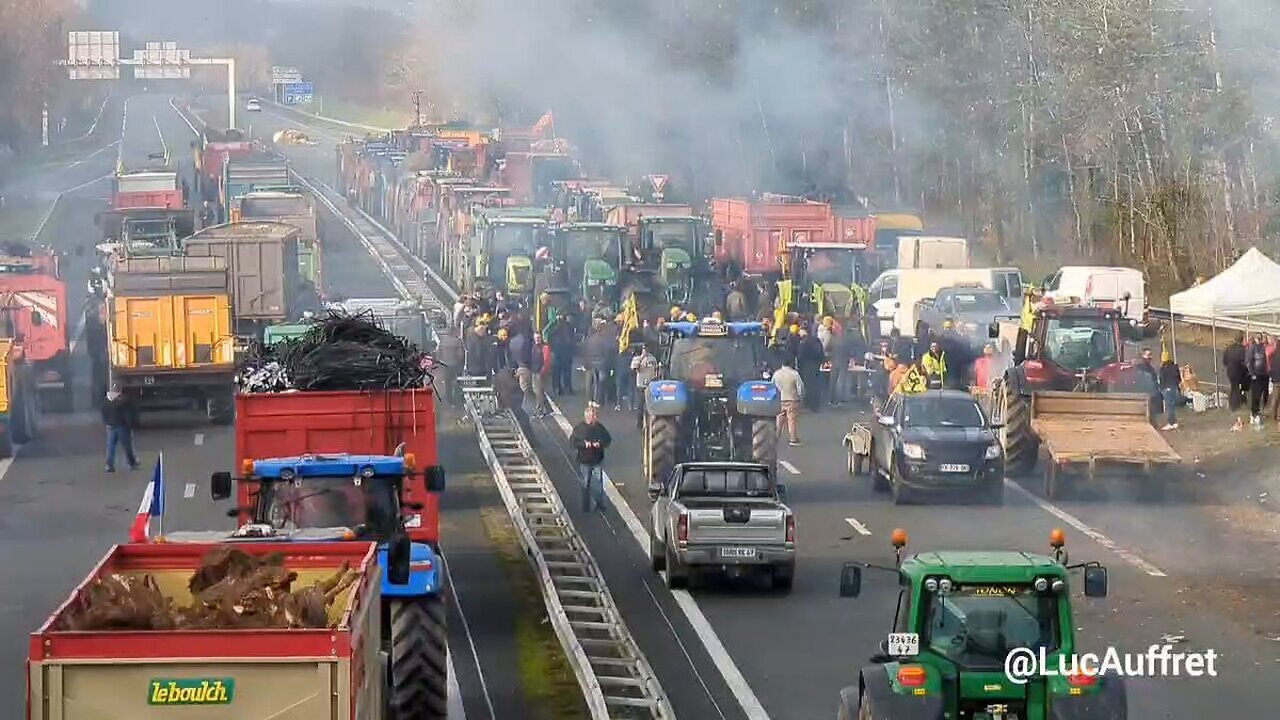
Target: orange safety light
column 246, row 467
column 348, row 535
column 912, row 676
column 1057, row 538
column 1082, row 679
column 410, row 460
column 899, row 538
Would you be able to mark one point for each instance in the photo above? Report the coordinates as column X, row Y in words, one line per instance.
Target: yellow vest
column 935, row 365
column 912, row 382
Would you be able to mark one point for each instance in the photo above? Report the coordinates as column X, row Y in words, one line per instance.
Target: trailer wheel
column 1021, row 446
column 764, row 442
column 419, row 660
column 661, row 447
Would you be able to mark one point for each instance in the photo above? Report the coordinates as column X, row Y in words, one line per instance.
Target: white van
column 882, row 294
column 1119, row 287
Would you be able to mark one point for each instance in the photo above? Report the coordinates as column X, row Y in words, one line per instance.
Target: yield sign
column 658, row 182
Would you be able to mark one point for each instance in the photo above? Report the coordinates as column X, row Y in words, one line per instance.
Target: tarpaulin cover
column 1249, row 288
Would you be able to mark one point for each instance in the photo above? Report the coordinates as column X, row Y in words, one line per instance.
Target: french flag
column 152, row 506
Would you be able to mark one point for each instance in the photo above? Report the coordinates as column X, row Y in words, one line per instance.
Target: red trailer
column 296, row 423
column 212, row 151
column 754, row 234
column 147, row 189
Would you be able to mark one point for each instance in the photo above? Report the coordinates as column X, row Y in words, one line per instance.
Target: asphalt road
column 1184, row 569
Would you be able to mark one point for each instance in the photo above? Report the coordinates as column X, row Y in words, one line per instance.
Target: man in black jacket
column 1255, row 360
column 1237, row 374
column 589, row 440
column 117, row 415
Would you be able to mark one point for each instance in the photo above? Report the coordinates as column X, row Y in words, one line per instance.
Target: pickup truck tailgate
column 737, row 522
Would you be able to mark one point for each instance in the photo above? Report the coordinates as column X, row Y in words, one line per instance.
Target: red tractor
column 1057, row 347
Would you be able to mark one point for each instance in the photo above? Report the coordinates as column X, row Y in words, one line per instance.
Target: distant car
column 253, row 105
column 935, row 441
column 970, row 310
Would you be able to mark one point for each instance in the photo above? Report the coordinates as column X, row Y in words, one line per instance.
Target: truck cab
column 959, row 615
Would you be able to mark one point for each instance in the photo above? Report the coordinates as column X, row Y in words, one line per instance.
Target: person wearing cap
column 1170, row 380
column 676, row 314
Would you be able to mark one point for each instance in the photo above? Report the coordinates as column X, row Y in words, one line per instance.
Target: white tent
column 1248, row 289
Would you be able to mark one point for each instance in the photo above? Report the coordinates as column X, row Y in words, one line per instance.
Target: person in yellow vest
column 934, row 364
column 913, row 381
column 897, row 373
column 677, row 313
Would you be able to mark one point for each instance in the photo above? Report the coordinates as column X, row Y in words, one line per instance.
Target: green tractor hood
column 599, row 272
column 675, row 259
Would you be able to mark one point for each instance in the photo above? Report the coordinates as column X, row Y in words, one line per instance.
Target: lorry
column 710, row 403
column 959, row 615
column 730, row 516
column 240, row 176
column 170, row 333
column 532, row 175
column 750, row 235
column 19, row 404
column 933, row 252
column 211, row 151
column 328, row 673
column 262, row 260
column 33, row 296
column 147, row 189
column 291, row 206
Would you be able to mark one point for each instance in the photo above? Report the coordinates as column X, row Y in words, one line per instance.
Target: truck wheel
column 764, row 442
column 901, row 493
column 657, row 554
column 677, row 572
column 419, row 654
column 1021, row 446
column 783, row 577
column 661, row 447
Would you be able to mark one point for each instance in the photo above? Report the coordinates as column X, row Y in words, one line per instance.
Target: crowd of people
column 1253, row 374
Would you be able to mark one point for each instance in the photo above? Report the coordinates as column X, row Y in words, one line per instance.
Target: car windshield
column 980, row 302
column 831, row 266
column 726, row 483
column 932, row 411
column 331, row 503
column 509, row 240
column 735, row 359
column 585, row 244
column 1080, row 343
column 977, row 626
column 674, row 234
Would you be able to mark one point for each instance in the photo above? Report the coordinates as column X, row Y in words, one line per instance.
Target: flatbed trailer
column 289, row 674
column 1088, row 429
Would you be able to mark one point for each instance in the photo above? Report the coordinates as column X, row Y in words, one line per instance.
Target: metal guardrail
column 616, row 678
column 1243, row 325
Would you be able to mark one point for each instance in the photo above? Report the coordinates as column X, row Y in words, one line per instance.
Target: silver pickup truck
column 728, row 516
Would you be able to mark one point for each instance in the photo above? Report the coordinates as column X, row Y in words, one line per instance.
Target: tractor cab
column 1067, row 346
column 959, row 616
column 677, row 248
column 593, row 255
column 825, row 278
column 509, row 239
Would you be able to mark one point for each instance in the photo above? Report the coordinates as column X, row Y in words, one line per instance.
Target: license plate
column 738, row 552
column 954, row 468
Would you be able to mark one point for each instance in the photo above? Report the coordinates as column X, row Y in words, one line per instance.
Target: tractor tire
column 419, row 676
column 660, row 447
column 764, row 442
column 1021, row 446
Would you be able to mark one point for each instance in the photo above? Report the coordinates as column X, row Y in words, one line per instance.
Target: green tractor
column 680, row 249
column 593, row 255
column 502, row 248
column 960, row 616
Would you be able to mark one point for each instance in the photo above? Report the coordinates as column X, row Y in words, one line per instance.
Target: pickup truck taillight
column 791, row 528
column 682, row 528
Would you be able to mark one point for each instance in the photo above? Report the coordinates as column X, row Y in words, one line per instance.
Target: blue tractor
column 359, row 497
column 715, row 401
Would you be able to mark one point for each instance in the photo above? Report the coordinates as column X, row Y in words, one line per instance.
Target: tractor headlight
column 993, row 452
column 913, row 451
column 1059, row 586
column 287, row 475
column 366, row 472
column 1041, row 585
column 945, row 586
column 931, row 585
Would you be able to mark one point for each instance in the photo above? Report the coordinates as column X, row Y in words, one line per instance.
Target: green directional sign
column 191, row 691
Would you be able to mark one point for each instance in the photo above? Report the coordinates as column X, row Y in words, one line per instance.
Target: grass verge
column 545, row 675
column 388, row 117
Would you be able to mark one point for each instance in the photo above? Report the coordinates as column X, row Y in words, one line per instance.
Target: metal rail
column 616, row 679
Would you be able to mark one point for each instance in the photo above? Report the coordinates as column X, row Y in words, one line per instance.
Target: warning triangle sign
column 658, row 182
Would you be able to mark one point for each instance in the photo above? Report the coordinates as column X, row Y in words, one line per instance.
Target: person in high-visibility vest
column 934, row 363
column 913, row 381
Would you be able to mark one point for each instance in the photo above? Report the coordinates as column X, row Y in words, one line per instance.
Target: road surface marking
column 1092, row 534
column 786, row 464
column 733, row 677
column 189, row 491
column 199, row 438
column 862, row 529
column 163, row 145
column 84, row 185
column 194, row 131
column 456, row 710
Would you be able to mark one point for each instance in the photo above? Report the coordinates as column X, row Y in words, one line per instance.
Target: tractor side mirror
column 850, row 580
column 656, row 490
column 1095, row 582
column 220, row 486
column 993, row 330
column 434, row 476
column 398, row 553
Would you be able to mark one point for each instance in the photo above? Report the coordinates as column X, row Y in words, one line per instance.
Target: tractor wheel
column 1021, row 446
column 419, row 660
column 764, row 442
column 661, row 447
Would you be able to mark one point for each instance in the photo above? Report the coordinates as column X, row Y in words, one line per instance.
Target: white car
column 253, row 105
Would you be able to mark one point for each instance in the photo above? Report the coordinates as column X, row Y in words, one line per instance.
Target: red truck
column 33, row 303
column 331, row 673
column 211, row 152
column 272, row 425
column 147, row 189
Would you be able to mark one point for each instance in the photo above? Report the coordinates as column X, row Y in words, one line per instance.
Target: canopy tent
column 1248, row 289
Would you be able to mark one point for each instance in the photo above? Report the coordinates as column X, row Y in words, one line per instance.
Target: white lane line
column 733, row 677
column 454, row 709
column 189, row 491
column 7, row 463
column 199, row 438
column 163, row 145
column 194, row 131
column 86, row 184
column 454, row 690
column 859, row 527
column 1075, row 522
column 786, row 465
